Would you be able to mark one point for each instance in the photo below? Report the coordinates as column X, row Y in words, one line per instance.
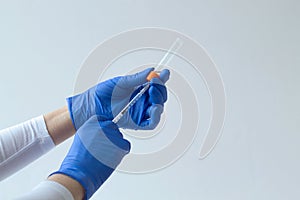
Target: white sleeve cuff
column 22, row 144
column 48, row 190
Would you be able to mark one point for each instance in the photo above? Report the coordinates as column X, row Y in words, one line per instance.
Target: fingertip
column 136, row 79
column 148, row 70
column 143, row 74
column 164, row 75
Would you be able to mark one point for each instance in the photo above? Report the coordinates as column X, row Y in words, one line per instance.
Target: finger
column 155, row 114
column 164, row 75
column 157, row 93
column 111, row 132
column 134, row 80
column 124, row 145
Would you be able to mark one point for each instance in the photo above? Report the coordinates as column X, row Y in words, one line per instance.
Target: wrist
column 59, row 125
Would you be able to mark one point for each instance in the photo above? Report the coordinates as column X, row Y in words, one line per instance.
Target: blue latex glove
column 91, row 160
column 109, row 98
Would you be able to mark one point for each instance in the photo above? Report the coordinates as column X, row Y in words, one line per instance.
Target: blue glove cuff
column 69, row 102
column 81, row 107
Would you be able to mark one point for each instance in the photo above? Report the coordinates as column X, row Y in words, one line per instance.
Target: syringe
column 163, row 62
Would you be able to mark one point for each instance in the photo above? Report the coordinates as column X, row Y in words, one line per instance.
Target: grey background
column 255, row 44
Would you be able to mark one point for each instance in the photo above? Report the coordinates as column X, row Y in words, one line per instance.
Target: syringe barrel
column 131, row 103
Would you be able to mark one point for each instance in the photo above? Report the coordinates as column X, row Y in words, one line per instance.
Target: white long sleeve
column 48, row 190
column 22, row 144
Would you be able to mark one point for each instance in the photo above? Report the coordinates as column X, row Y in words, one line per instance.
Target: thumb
column 134, row 80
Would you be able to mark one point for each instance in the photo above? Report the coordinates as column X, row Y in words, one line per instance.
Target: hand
column 109, row 98
column 91, row 160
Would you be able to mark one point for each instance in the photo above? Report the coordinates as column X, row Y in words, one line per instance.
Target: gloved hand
column 91, row 160
column 109, row 98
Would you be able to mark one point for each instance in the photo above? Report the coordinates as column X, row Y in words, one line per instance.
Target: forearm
column 22, row 144
column 59, row 125
column 47, row 190
column 72, row 185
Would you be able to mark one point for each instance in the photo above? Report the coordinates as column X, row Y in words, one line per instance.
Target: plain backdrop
column 255, row 45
